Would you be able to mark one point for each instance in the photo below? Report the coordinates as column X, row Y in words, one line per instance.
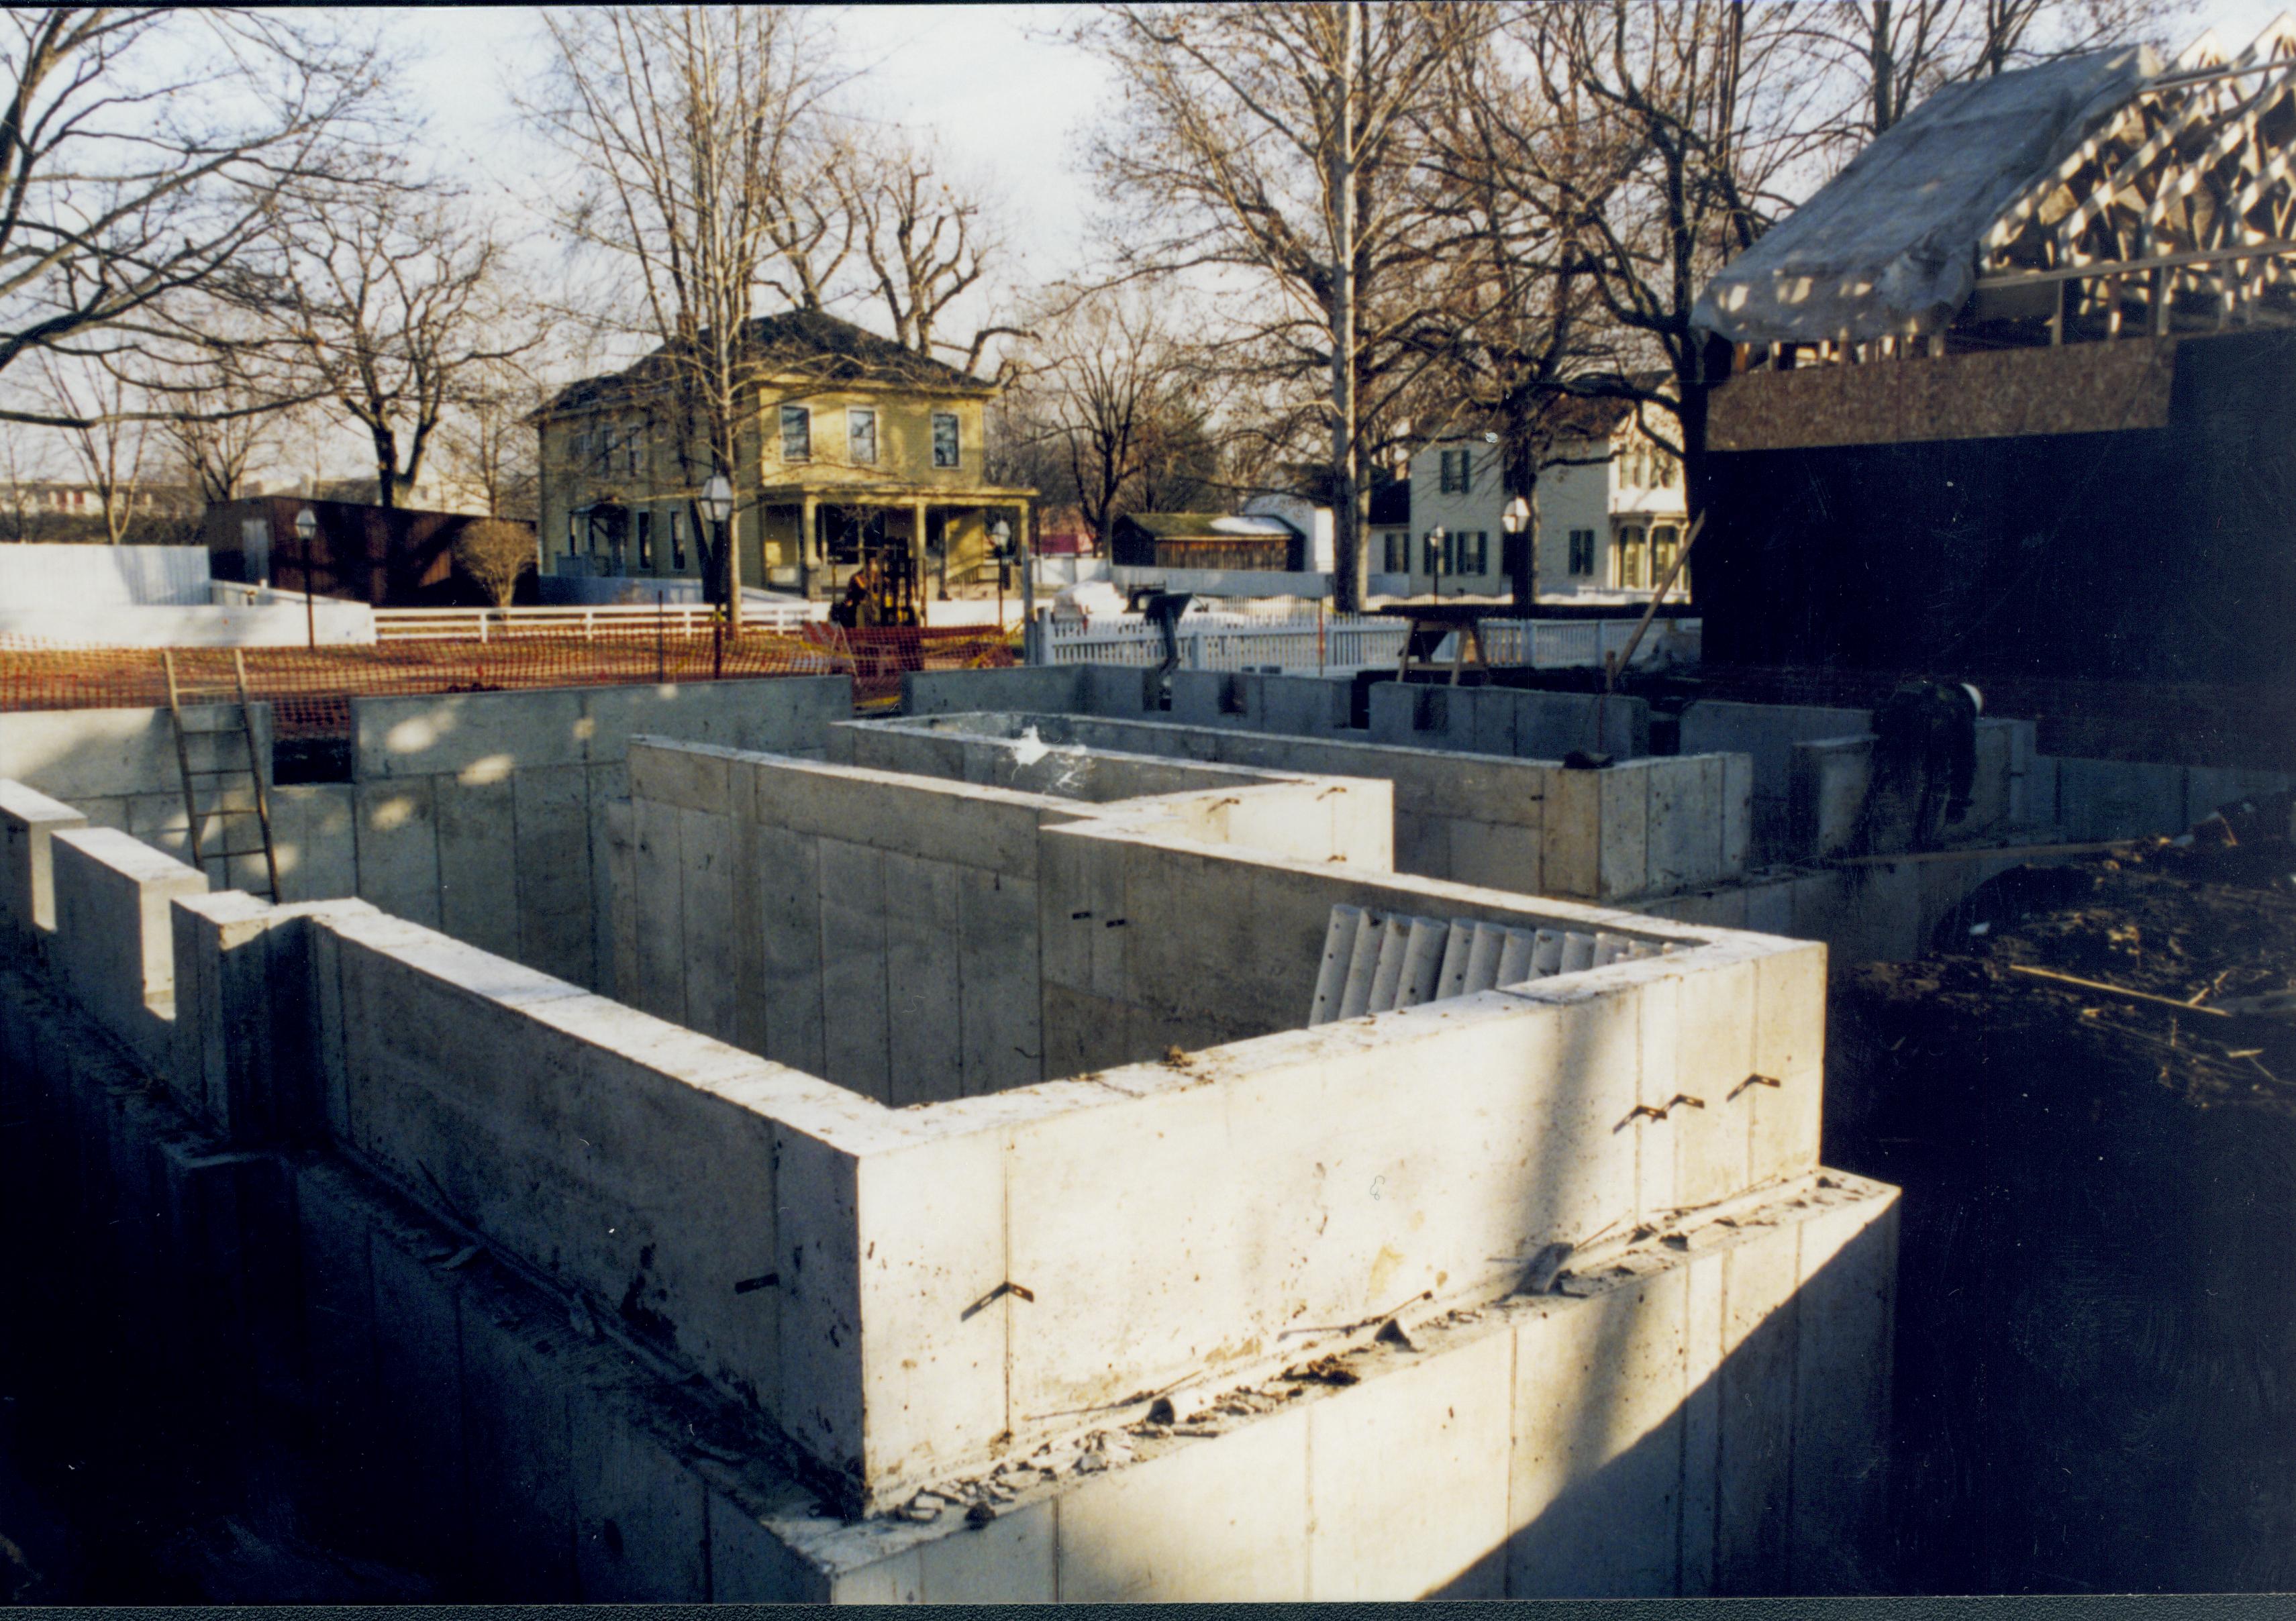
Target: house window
column 796, row 434
column 1665, row 540
column 1398, row 550
column 678, row 541
column 630, row 454
column 646, row 541
column 1469, row 552
column 1451, row 472
column 1582, row 552
column 1634, row 548
column 861, row 434
column 945, row 444
column 573, row 534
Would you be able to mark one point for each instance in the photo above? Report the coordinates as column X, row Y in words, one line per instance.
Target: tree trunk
column 1711, row 362
column 1524, row 585
column 729, row 464
column 1346, row 525
column 1884, row 71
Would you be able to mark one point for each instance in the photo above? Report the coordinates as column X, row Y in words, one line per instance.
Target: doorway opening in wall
column 851, row 533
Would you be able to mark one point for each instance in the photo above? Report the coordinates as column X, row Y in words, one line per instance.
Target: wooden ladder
column 233, row 700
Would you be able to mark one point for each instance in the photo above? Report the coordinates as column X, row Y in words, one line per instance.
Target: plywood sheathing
column 2088, row 388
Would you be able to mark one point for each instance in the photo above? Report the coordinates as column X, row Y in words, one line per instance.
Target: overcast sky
column 1011, row 103
column 1008, row 103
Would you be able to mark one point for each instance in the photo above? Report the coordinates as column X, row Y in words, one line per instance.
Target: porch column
column 805, row 546
column 917, row 551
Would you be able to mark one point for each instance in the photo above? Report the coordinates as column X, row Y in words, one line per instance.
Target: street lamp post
column 1516, row 522
column 1000, row 539
column 717, row 506
column 1027, row 592
column 306, row 525
column 1437, row 543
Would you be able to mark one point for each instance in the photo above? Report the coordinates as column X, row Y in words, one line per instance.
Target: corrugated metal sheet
column 81, row 577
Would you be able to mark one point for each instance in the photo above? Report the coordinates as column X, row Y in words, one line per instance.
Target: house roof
column 1568, row 416
column 1209, row 526
column 1891, row 244
column 807, row 345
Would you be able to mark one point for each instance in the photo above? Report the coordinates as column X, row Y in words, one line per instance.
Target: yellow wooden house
column 850, row 448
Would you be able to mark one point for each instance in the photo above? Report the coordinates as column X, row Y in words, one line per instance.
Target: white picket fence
column 620, row 618
column 1338, row 644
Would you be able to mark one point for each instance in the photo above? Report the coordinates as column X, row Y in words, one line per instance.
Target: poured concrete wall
column 1645, row 826
column 1688, row 1422
column 2120, row 799
column 1809, row 772
column 483, row 814
column 1701, row 1419
column 479, row 814
column 877, row 931
column 887, row 931
column 1531, row 724
column 937, row 1287
column 119, row 768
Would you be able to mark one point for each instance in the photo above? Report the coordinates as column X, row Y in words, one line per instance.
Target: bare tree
column 925, row 243
column 1891, row 53
column 143, row 156
column 24, row 464
column 108, row 443
column 1282, row 143
column 1120, row 400
column 397, row 309
column 811, row 228
column 1518, row 319
column 496, row 554
column 1698, row 114
column 489, row 444
column 684, row 124
column 217, row 449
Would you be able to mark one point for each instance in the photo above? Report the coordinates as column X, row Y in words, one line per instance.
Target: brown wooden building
column 388, row 557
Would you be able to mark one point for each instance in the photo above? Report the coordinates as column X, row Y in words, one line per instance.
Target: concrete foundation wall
column 908, row 1294
column 1698, row 1421
column 1027, row 763
column 1810, row 767
column 1503, row 720
column 875, row 929
column 604, row 1148
column 287, row 1314
column 482, row 814
column 2120, row 799
column 886, row 930
column 1643, row 826
column 1686, row 1422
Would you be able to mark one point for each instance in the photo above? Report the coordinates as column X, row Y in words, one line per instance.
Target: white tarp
column 1889, row 244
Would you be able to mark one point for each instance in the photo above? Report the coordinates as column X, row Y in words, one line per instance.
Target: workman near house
column 1924, row 766
column 860, row 606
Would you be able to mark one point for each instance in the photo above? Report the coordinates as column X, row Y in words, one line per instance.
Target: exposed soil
column 2096, row 1376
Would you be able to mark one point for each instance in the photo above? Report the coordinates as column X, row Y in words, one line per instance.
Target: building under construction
column 2016, row 394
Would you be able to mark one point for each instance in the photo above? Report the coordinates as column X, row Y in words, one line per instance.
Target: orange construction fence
column 310, row 690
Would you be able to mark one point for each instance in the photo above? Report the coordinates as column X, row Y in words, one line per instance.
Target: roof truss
column 2180, row 203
